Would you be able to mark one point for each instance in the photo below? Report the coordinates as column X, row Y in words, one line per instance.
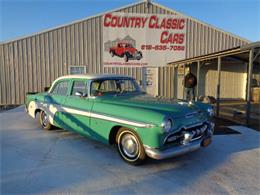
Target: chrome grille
column 194, row 133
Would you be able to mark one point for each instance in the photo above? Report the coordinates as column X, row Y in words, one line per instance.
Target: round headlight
column 167, row 125
column 210, row 111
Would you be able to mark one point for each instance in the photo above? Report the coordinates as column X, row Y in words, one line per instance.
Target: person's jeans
column 189, row 94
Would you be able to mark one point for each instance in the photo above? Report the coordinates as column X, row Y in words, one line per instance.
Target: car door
column 54, row 101
column 77, row 117
column 120, row 50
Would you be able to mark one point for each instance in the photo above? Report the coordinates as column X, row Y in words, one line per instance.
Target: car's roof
column 92, row 76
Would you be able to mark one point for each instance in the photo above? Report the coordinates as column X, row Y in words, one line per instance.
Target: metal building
column 33, row 62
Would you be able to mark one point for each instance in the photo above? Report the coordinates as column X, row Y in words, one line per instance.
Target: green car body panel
column 96, row 117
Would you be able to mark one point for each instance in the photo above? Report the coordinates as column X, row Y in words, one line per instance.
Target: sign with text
column 143, row 39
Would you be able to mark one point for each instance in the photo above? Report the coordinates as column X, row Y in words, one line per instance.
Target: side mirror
column 46, row 89
column 78, row 93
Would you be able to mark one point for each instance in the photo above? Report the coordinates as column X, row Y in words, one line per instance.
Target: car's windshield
column 101, row 87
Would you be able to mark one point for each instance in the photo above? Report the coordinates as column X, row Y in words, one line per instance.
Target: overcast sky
column 24, row 17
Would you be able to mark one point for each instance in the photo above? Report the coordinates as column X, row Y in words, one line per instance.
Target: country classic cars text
column 150, row 22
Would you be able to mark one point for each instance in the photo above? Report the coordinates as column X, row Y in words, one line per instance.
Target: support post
column 248, row 92
column 183, row 80
column 198, row 79
column 144, row 78
column 218, row 86
column 173, row 82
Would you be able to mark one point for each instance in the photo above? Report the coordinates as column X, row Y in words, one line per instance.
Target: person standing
column 190, row 82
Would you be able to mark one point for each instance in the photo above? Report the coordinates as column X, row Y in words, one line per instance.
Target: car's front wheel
column 126, row 57
column 130, row 147
column 44, row 121
column 112, row 53
column 139, row 57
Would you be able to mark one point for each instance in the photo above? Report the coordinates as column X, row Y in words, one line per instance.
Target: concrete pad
column 38, row 161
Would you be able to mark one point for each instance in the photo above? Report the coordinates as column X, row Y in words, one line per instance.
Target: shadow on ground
column 37, row 161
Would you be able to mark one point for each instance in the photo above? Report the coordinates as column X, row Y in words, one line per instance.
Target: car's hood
column 173, row 107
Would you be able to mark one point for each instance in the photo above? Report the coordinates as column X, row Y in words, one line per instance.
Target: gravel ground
column 37, row 161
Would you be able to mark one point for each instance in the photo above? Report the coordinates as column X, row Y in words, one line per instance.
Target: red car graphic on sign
column 126, row 51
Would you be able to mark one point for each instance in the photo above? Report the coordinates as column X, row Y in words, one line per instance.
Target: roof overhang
column 229, row 52
column 254, row 45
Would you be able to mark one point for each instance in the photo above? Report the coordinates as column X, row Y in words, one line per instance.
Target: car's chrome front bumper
column 183, row 148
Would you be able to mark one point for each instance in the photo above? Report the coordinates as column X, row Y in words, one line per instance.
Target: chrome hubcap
column 129, row 145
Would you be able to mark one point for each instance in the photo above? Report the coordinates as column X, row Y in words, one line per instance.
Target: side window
column 108, row 86
column 127, row 85
column 55, row 89
column 79, row 86
column 61, row 88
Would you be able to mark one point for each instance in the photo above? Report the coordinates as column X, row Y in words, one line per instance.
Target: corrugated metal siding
column 32, row 63
column 203, row 40
column 232, row 79
column 2, row 78
column 166, row 84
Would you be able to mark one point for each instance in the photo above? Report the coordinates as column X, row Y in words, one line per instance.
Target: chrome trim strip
column 74, row 111
column 105, row 117
column 194, row 125
column 197, row 138
column 51, row 109
column 118, row 120
column 192, row 114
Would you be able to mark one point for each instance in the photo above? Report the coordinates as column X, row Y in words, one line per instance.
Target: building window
column 77, row 70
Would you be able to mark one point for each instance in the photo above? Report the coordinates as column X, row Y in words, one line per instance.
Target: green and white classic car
column 114, row 110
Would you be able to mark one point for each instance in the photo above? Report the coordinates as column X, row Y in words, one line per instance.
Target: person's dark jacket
column 190, row 81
